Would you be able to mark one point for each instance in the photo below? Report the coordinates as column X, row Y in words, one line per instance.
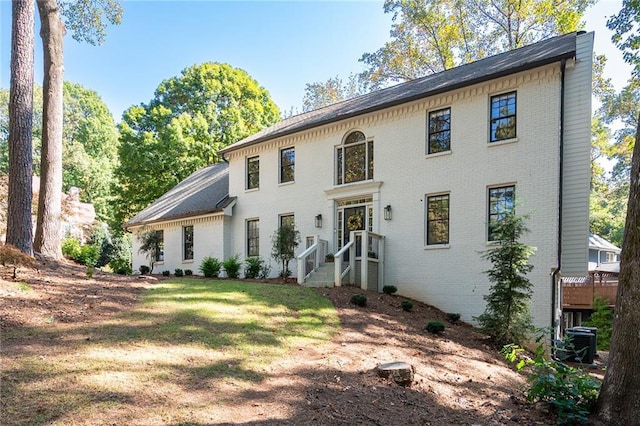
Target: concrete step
column 321, row 277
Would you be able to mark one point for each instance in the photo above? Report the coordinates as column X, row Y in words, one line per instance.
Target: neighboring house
column 603, row 254
column 420, row 172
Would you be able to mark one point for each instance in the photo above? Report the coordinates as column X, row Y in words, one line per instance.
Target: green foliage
column 178, row 272
column 406, row 305
column 188, row 272
column 318, row 95
column 71, row 248
column 453, row 317
column 602, row 319
column 144, row 269
column 86, row 254
column 86, row 18
column 435, row 327
column 191, row 117
column 389, row 289
column 120, row 254
column 210, row 267
column 150, row 242
column 359, row 299
column 285, row 240
column 506, row 317
column 232, row 266
column 253, row 267
column 571, row 392
column 166, row 273
column 626, row 27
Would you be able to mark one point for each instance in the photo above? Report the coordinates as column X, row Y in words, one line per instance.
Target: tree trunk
column 19, row 225
column 619, row 401
column 48, row 228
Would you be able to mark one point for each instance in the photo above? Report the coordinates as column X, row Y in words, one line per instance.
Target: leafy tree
column 19, row 228
column 429, row 36
column 190, row 118
column 285, row 240
column 150, row 242
column 318, row 95
column 506, row 317
column 626, row 27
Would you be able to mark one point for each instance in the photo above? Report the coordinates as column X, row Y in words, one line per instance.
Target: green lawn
column 186, row 336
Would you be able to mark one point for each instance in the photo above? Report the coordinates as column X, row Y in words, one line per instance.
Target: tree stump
column 399, row 372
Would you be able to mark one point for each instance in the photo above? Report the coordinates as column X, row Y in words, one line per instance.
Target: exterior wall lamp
column 387, row 212
column 319, row 221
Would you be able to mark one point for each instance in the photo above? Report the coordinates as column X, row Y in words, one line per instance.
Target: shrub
column 602, row 318
column 232, row 266
column 389, row 289
column 144, row 269
column 285, row 273
column 284, row 242
column 265, row 271
column 166, row 273
column 435, row 327
column 120, row 254
column 253, row 266
column 178, row 272
column 406, row 305
column 120, row 266
column 210, row 267
column 71, row 248
column 453, row 317
column 359, row 299
column 88, row 255
column 188, row 272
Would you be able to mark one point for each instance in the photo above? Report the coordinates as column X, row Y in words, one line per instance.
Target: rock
column 399, row 372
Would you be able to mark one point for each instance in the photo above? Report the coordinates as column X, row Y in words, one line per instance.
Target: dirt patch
column 459, row 379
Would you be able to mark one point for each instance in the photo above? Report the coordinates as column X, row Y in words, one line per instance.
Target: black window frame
column 500, row 208
column 284, row 218
column 499, row 116
column 159, row 245
column 438, row 219
column 187, row 242
column 437, row 128
column 253, row 237
column 354, row 143
column 253, row 172
column 287, row 165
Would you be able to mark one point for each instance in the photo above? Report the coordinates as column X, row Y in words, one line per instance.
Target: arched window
column 354, row 159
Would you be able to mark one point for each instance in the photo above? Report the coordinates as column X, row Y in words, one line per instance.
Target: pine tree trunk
column 19, row 225
column 48, row 228
column 619, row 401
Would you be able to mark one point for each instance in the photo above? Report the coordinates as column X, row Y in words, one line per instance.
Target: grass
column 172, row 357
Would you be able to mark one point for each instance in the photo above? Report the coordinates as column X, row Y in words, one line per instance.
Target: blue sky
column 283, row 45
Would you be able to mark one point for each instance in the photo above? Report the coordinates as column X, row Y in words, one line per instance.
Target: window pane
column 439, row 131
column 370, row 159
column 501, row 203
column 355, row 165
column 287, row 220
column 503, row 116
column 253, row 173
column 188, row 242
column 340, row 166
column 438, row 219
column 287, row 165
column 160, row 246
column 354, row 138
column 253, row 237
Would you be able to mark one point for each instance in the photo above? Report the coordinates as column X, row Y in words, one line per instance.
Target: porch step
column 321, row 277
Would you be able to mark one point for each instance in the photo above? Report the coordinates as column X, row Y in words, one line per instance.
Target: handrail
column 318, row 248
column 343, row 249
column 338, row 274
column 308, row 251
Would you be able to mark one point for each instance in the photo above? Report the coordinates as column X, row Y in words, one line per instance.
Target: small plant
column 602, row 319
column 70, row 248
column 435, row 327
column 284, row 242
column 210, row 267
column 188, row 272
column 265, row 271
column 359, row 299
column 178, row 272
column 453, row 317
column 407, row 305
column 389, row 289
column 232, row 266
column 253, row 266
column 166, row 273
column 90, row 269
column 144, row 269
column 329, row 257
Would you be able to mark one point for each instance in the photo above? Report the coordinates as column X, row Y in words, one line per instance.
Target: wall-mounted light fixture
column 319, row 221
column 387, row 212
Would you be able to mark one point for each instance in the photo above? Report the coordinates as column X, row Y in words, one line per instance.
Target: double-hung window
column 159, row 246
column 187, row 240
column 253, row 172
column 253, row 237
column 287, row 165
column 354, row 159
column 287, row 220
column 438, row 219
column 439, row 138
column 503, row 117
column 502, row 202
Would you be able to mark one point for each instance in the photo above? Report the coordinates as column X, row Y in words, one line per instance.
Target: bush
column 210, row 267
column 71, row 248
column 435, row 327
column 120, row 254
column 88, row 255
column 389, row 289
column 178, row 272
column 453, row 318
column 144, row 269
column 121, row 266
column 602, row 319
column 265, row 271
column 359, row 299
column 232, row 266
column 188, row 272
column 166, row 273
column 253, row 266
column 406, row 305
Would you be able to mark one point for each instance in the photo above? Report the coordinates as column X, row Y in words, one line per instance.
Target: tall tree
column 190, row 118
column 318, row 95
column 19, row 227
column 429, row 36
column 619, row 400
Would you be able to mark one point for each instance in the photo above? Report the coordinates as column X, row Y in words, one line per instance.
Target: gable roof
column 596, row 242
column 204, row 191
column 535, row 55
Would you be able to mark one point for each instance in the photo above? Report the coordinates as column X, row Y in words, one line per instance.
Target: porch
column 580, row 292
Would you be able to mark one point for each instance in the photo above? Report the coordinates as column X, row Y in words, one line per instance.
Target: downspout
column 556, row 271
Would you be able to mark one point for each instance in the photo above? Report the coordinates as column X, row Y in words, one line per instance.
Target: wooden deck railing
column 580, row 293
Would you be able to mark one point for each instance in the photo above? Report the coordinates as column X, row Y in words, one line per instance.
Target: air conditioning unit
column 584, row 344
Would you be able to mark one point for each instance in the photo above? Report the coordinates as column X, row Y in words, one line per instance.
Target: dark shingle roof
column 205, row 191
column 542, row 53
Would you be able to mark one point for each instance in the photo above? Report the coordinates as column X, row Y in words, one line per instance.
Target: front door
column 354, row 220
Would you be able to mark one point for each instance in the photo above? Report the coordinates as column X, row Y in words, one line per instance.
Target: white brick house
column 444, row 155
